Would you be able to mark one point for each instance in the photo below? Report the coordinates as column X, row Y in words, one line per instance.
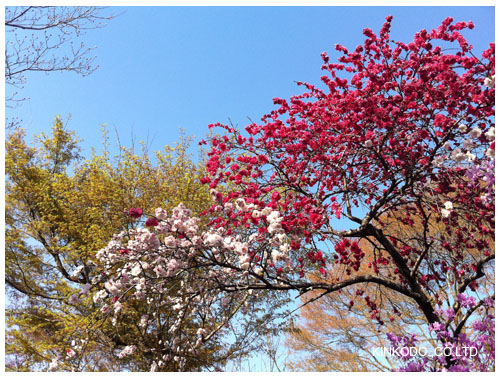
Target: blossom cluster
column 472, row 349
column 143, row 264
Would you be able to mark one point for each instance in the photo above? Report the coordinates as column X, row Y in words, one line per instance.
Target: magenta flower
column 135, row 213
column 151, row 222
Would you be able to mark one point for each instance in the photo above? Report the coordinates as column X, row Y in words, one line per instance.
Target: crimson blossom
column 398, row 143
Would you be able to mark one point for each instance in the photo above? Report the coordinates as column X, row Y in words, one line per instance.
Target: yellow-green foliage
column 60, row 210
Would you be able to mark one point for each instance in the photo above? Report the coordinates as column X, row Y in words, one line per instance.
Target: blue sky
column 165, row 68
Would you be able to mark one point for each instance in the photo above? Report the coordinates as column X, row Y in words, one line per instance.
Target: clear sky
column 165, row 68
